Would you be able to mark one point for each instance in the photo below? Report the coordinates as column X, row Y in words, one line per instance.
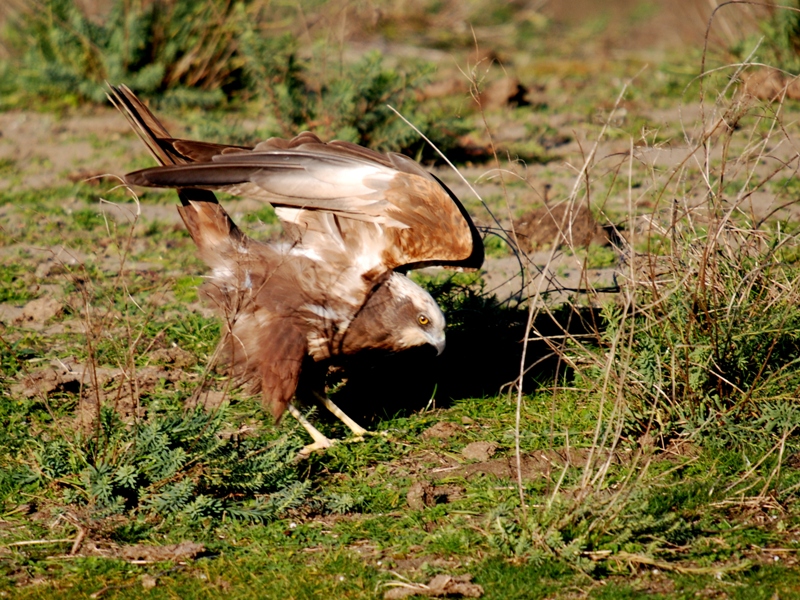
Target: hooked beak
column 439, row 345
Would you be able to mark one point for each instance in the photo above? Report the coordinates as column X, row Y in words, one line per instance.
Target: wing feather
column 421, row 222
column 385, row 205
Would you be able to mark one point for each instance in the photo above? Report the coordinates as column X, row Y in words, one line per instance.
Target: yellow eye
column 423, row 320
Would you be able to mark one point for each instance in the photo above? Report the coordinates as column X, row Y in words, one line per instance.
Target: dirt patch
column 534, row 465
column 651, row 581
column 70, row 145
column 507, row 91
column 41, row 310
column 443, row 430
column 632, row 25
column 176, row 552
column 209, row 399
column 423, row 494
column 503, row 92
column 479, row 450
column 438, row 587
column 770, row 84
column 138, row 553
column 96, row 386
column 9, row 313
column 417, row 561
column 559, row 225
column 174, row 356
column 431, row 466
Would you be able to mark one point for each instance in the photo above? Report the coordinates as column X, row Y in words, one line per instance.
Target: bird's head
column 399, row 315
column 418, row 319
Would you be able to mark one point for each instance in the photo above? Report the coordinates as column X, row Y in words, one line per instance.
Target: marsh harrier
column 355, row 221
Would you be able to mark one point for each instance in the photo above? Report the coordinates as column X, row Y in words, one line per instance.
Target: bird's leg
column 320, row 441
column 357, row 429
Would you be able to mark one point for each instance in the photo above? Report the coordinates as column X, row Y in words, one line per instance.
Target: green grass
column 597, row 257
column 352, row 554
column 15, row 283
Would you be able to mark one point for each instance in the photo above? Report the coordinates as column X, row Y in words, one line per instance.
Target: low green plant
column 717, row 341
column 675, row 516
column 596, row 256
column 164, row 50
column 704, row 342
column 15, row 284
column 185, row 288
column 62, row 53
column 169, row 466
column 350, row 103
column 780, row 37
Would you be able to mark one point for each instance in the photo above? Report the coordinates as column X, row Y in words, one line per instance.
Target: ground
column 613, row 136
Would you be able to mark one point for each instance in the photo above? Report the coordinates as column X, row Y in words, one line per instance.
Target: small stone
column 480, row 451
column 175, row 357
column 440, row 586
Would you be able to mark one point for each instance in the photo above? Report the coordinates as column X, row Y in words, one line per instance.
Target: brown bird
column 355, row 221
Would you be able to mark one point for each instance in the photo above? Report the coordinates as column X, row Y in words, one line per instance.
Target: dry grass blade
column 638, row 559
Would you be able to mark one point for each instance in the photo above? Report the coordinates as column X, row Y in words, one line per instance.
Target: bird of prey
column 355, row 221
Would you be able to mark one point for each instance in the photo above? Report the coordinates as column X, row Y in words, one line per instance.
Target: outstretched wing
column 382, row 211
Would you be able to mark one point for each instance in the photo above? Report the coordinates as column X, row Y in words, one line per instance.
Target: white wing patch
column 321, row 311
column 222, row 273
column 318, row 346
column 309, row 253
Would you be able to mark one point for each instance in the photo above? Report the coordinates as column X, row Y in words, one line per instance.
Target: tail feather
column 240, row 265
column 157, row 139
column 144, row 123
column 262, row 349
column 216, row 235
column 166, row 149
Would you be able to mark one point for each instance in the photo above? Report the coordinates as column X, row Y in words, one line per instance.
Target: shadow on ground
column 483, row 354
